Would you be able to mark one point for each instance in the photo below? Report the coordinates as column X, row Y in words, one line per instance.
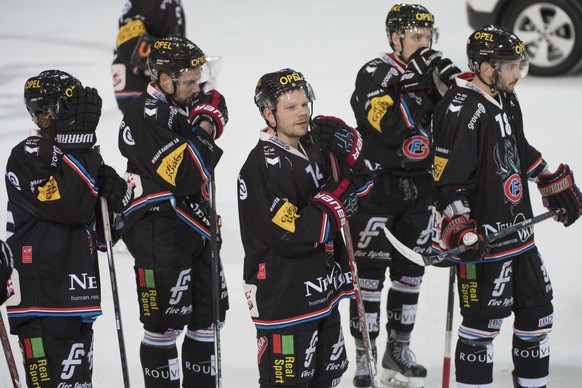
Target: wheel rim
column 548, row 33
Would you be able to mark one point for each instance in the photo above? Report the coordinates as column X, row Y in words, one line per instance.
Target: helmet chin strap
column 491, row 85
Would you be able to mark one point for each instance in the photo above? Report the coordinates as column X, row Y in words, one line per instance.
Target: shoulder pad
column 381, row 73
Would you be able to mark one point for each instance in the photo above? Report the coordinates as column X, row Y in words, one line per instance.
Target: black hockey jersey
column 52, row 198
column 296, row 266
column 394, row 125
column 482, row 155
column 168, row 160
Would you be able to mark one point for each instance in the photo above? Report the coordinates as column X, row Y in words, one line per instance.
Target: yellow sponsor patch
column 286, row 216
column 49, row 191
column 378, row 108
column 439, row 167
column 129, row 31
column 168, row 169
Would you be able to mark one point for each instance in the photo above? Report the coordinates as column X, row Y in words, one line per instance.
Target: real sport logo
column 416, row 147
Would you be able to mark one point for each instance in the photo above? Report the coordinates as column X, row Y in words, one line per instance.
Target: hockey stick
column 113, row 278
column 215, row 272
column 356, row 282
column 449, row 330
column 435, row 259
column 114, row 291
column 8, row 353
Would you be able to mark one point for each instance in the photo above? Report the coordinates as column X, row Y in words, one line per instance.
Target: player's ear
column 269, row 116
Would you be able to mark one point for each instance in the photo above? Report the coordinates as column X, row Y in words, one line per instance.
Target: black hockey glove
column 460, row 230
column 339, row 199
column 114, row 189
column 419, row 70
column 560, row 192
column 333, row 134
column 211, row 107
column 6, row 264
column 446, row 70
column 77, row 121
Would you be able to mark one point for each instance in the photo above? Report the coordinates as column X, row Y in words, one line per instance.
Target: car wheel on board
column 552, row 32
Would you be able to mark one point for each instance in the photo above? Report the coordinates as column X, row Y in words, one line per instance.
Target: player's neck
column 483, row 86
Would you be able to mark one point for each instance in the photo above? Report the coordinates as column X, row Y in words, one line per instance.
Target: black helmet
column 492, row 43
column 402, row 17
column 46, row 92
column 272, row 85
column 173, row 55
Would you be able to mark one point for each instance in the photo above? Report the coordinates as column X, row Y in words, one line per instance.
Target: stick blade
column 415, row 257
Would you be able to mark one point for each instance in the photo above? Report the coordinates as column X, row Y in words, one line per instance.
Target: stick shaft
column 215, row 282
column 9, row 355
column 449, row 330
column 356, row 283
column 114, row 291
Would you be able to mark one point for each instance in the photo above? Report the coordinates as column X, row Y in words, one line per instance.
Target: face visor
column 48, row 105
column 202, row 74
column 414, row 33
column 508, row 68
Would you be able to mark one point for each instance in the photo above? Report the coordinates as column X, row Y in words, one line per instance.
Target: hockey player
column 53, row 180
column 167, row 229
column 393, row 101
column 141, row 22
column 482, row 166
column 291, row 212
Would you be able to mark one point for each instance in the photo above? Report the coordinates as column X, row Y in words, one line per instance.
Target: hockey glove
column 560, row 192
column 418, row 70
column 114, row 189
column 6, row 264
column 460, row 230
column 77, row 121
column 446, row 70
column 210, row 107
column 333, row 134
column 339, row 200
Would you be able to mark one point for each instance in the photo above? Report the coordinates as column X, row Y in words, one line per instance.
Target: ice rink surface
column 327, row 40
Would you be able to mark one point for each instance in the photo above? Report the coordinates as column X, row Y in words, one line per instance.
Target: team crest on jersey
column 416, row 147
column 513, row 188
column 506, row 158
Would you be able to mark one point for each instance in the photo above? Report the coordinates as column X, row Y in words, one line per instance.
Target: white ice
column 328, row 40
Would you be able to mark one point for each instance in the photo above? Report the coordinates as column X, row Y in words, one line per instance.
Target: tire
column 555, row 51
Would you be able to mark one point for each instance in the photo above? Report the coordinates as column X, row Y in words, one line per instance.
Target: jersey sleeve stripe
column 82, row 172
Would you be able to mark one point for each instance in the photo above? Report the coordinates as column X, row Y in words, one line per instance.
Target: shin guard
column 401, row 306
column 531, row 359
column 198, row 362
column 160, row 365
column 474, row 361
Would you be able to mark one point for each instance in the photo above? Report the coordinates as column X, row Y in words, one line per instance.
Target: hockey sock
column 161, row 368
column 372, row 319
column 474, row 361
column 198, row 362
column 531, row 359
column 401, row 310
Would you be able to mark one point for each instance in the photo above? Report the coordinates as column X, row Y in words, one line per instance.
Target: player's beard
column 507, row 87
column 184, row 103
